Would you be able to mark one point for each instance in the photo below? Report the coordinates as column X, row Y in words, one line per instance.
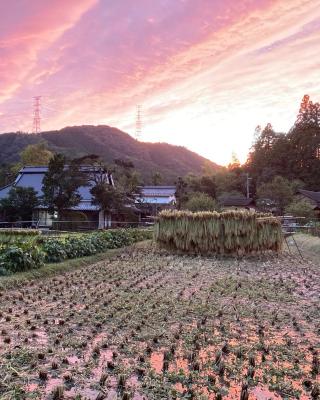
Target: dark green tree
column 103, row 191
column 303, row 153
column 295, row 155
column 267, row 157
column 301, row 208
column 181, row 192
column 276, row 194
column 156, row 178
column 19, row 204
column 6, row 175
column 36, row 154
column 205, row 183
column 113, row 197
column 200, row 202
column 61, row 184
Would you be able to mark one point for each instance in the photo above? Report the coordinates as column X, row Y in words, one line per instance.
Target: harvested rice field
column 147, row 324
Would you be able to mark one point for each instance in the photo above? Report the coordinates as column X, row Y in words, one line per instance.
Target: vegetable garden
column 22, row 250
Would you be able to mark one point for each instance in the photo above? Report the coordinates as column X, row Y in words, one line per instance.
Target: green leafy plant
column 26, row 256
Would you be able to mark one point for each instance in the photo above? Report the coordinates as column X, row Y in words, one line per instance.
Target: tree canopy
column 19, row 204
column 295, row 155
column 114, row 197
column 36, row 154
column 61, row 184
column 301, row 208
column 200, row 202
column 276, row 194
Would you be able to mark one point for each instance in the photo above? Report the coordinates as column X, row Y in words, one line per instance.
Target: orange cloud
column 205, row 72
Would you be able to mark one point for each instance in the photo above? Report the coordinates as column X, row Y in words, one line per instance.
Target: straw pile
column 229, row 232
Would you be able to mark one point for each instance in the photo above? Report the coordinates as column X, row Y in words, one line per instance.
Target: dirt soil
column 151, row 325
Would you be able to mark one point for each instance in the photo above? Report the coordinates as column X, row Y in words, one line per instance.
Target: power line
column 36, row 128
column 138, row 122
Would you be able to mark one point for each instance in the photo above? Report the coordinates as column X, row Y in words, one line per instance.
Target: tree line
column 278, row 165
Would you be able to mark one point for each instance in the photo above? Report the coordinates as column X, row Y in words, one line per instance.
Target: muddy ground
column 152, row 325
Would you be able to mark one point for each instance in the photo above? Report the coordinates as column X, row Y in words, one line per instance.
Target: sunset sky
column 206, row 72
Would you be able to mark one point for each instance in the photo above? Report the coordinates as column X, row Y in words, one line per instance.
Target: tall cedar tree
column 61, row 184
column 181, row 192
column 295, row 155
column 304, row 144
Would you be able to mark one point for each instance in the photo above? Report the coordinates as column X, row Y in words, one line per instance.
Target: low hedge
column 19, row 232
column 28, row 255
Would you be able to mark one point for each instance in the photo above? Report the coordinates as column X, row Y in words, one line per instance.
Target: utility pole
column 248, row 179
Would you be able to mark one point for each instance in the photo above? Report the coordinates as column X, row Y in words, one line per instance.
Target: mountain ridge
column 110, row 143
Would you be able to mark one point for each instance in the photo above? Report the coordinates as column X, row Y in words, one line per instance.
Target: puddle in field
column 87, row 394
column 31, row 387
column 263, row 393
column 79, row 307
column 156, row 361
column 52, row 383
column 91, row 345
column 41, row 337
column 105, row 356
column 72, row 360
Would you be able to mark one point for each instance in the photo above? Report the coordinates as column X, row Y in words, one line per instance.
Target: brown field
column 150, row 325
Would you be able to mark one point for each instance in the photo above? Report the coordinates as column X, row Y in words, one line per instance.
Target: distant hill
column 109, row 143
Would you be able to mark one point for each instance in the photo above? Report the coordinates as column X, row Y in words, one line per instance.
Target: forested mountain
column 110, row 143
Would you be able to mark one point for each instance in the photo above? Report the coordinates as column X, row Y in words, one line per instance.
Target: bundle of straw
column 229, row 232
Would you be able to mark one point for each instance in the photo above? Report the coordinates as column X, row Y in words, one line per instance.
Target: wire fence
column 74, row 226
column 292, row 224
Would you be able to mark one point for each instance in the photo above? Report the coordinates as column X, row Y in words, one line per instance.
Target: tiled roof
column 315, row 196
column 34, row 180
column 37, row 170
column 158, row 194
column 158, row 191
column 33, row 177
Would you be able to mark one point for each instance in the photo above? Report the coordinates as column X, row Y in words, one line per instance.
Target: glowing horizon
column 206, row 72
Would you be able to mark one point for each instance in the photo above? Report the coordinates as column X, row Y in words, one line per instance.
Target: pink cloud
column 191, row 64
column 38, row 24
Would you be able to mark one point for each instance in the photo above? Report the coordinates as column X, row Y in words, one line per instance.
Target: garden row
column 24, row 250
